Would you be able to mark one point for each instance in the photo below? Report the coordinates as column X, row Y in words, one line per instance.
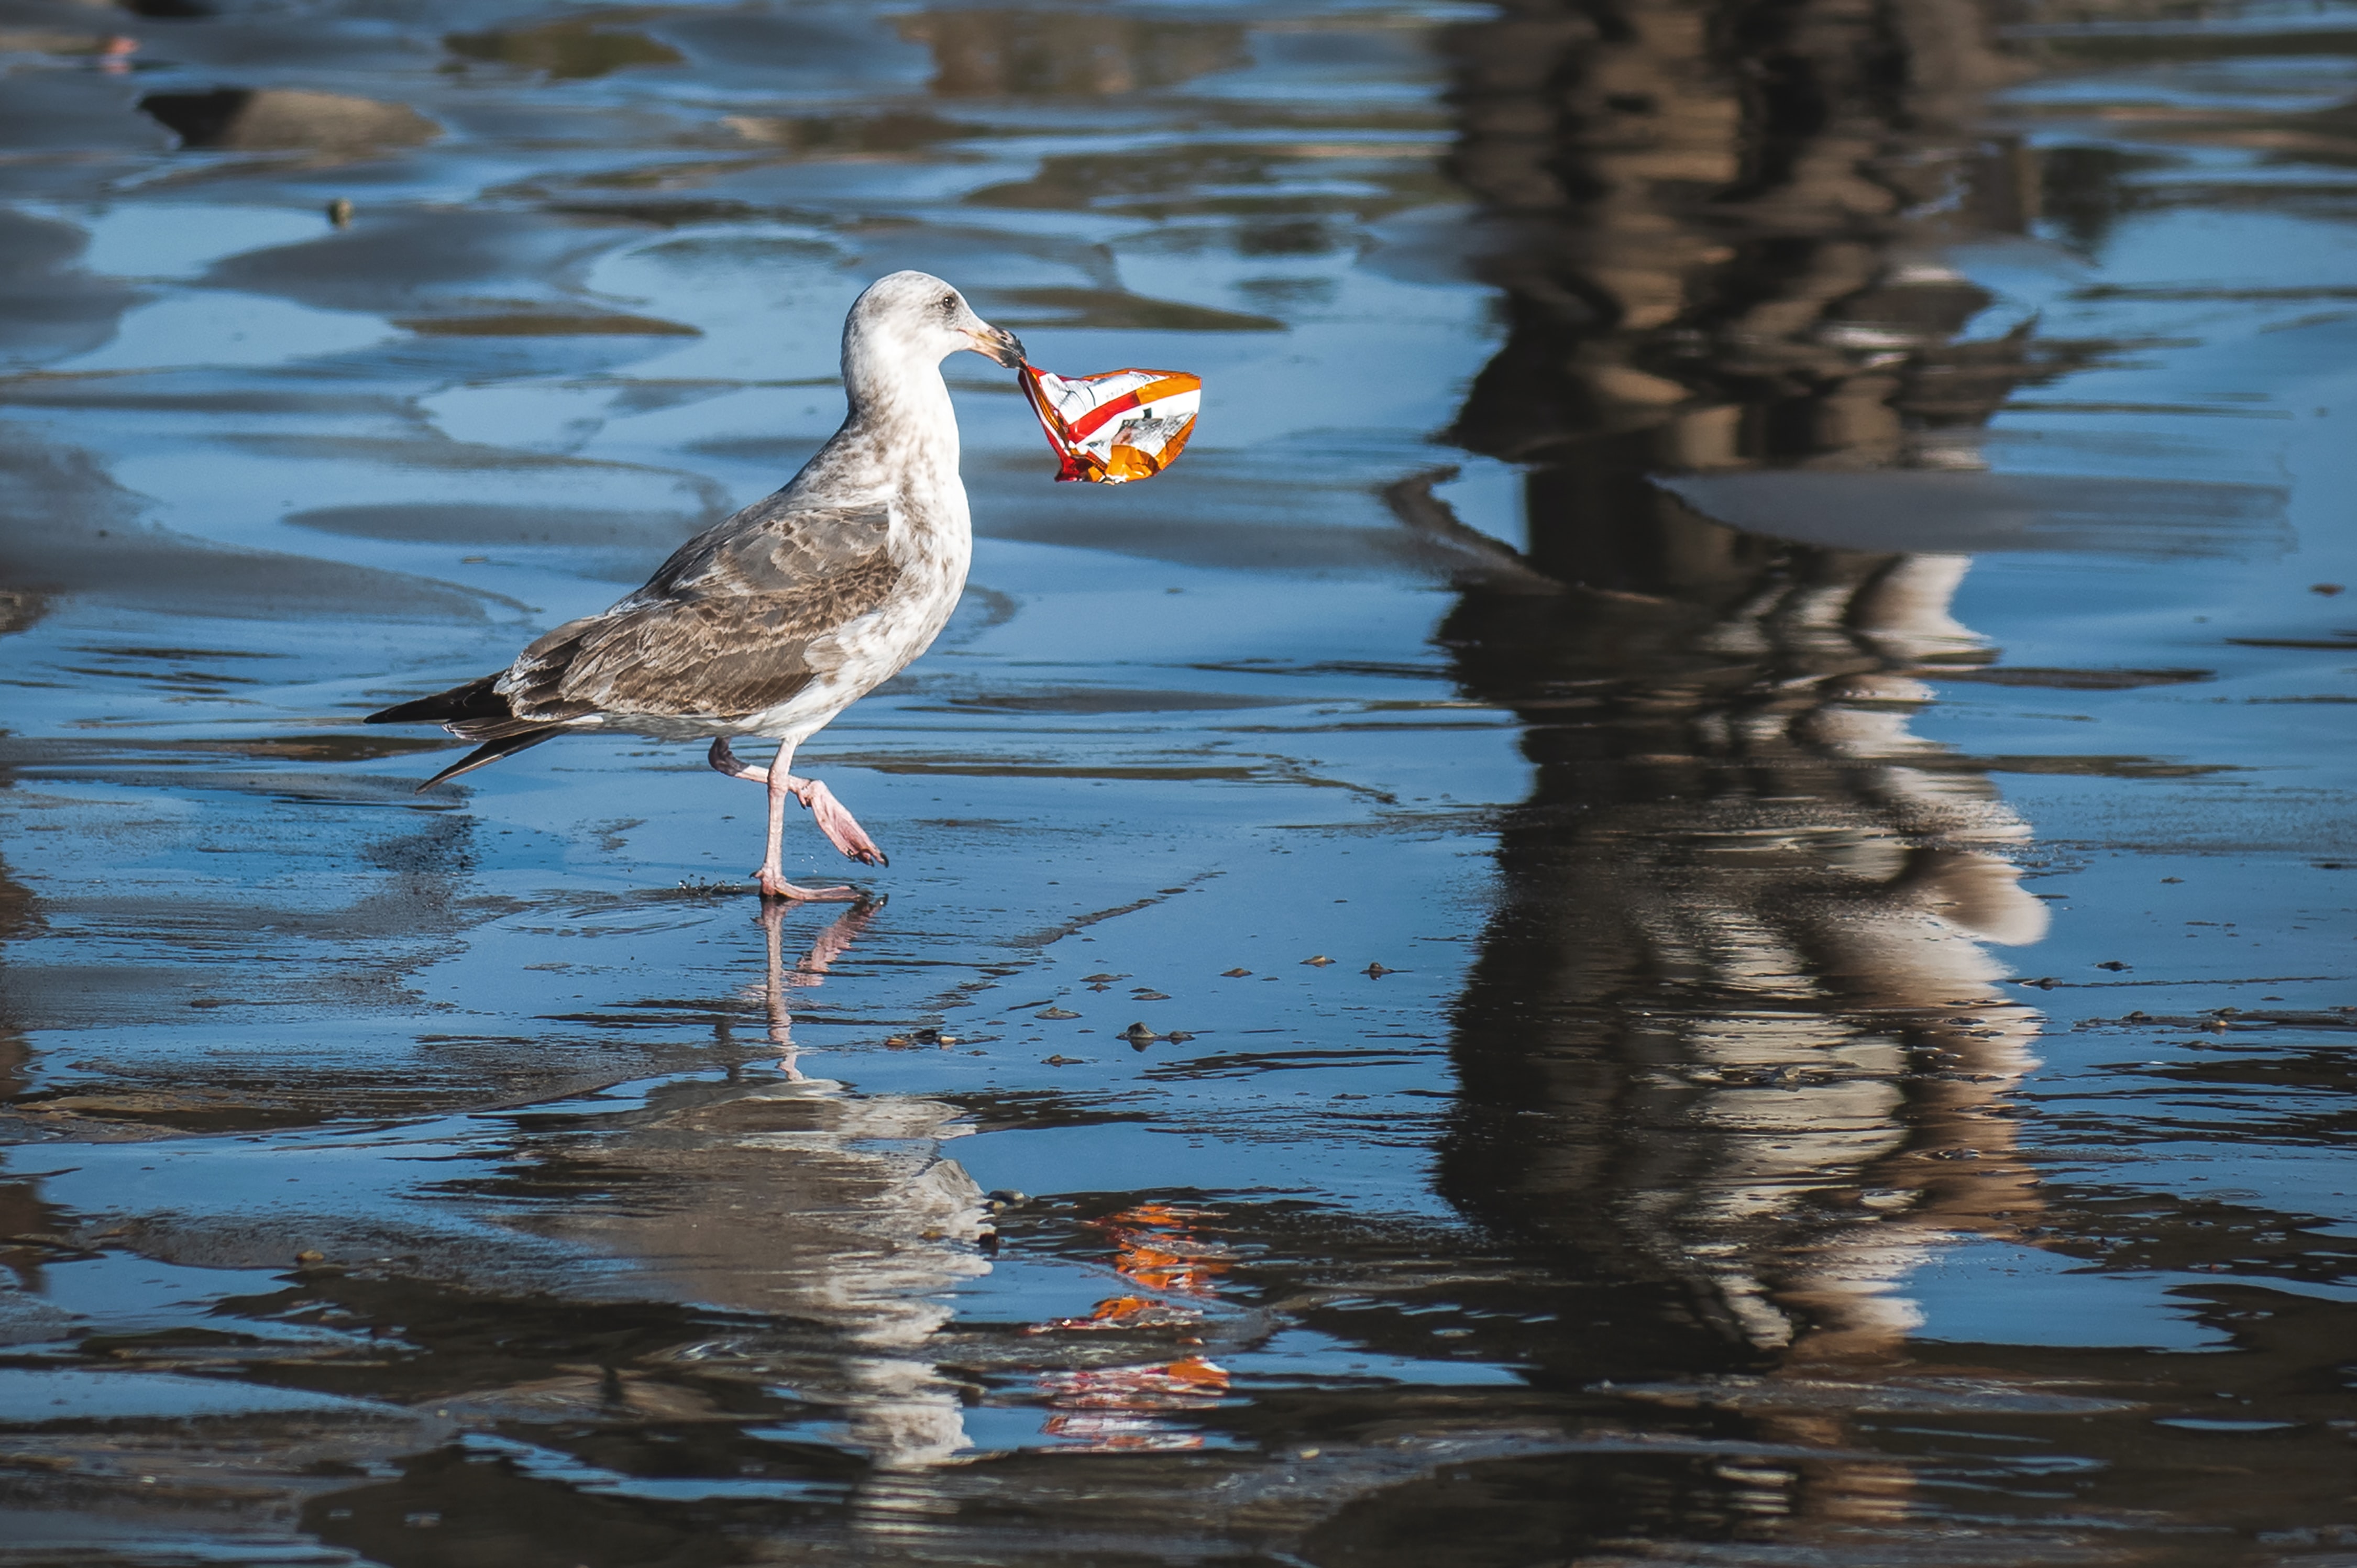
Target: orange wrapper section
column 1122, row 425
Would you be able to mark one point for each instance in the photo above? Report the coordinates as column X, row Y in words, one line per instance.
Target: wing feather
column 724, row 628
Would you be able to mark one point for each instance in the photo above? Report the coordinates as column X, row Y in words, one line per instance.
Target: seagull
column 771, row 623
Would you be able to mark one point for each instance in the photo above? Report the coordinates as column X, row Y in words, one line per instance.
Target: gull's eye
column 948, row 305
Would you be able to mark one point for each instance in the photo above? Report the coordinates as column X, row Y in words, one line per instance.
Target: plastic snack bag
column 1121, row 425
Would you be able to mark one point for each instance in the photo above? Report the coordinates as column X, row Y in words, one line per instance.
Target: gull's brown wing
column 724, row 628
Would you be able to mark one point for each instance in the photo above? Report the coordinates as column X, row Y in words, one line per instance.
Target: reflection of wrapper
column 1115, row 1408
column 1122, row 425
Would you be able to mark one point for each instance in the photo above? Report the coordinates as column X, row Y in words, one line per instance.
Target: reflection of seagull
column 813, row 1206
column 830, row 945
column 775, row 621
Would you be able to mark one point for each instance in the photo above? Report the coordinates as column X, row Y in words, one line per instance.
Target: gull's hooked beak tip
column 998, row 343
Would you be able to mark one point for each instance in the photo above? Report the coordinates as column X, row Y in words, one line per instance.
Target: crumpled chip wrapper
column 1119, row 426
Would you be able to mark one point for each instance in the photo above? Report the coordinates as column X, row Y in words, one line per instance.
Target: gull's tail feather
column 475, row 700
column 483, row 756
column 475, row 711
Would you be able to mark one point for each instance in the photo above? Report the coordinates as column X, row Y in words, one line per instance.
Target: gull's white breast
column 931, row 537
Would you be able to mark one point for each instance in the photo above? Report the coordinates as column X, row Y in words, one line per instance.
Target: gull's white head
column 914, row 319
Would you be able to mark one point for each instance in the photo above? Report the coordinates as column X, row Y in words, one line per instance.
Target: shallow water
column 1750, row 575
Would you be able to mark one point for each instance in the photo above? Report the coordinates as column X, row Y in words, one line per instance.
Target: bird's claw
column 841, row 827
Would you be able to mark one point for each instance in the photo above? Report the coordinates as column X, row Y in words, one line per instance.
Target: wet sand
column 1753, row 636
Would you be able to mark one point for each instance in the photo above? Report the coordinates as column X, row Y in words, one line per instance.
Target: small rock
column 1234, row 973
column 2115, row 965
column 2172, row 879
column 1319, row 961
column 1138, row 1034
column 1175, row 1035
column 1059, row 1059
column 2326, row 589
column 310, row 1257
column 340, row 212
column 1056, row 1012
column 1142, row 994
column 1101, row 979
column 1376, row 971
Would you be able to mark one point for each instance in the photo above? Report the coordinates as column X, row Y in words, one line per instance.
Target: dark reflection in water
column 1736, row 1053
column 1732, row 1053
column 1738, row 990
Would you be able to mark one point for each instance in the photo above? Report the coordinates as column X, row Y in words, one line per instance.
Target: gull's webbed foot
column 776, row 886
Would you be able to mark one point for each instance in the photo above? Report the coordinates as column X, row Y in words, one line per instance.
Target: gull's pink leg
column 772, row 880
column 834, row 820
